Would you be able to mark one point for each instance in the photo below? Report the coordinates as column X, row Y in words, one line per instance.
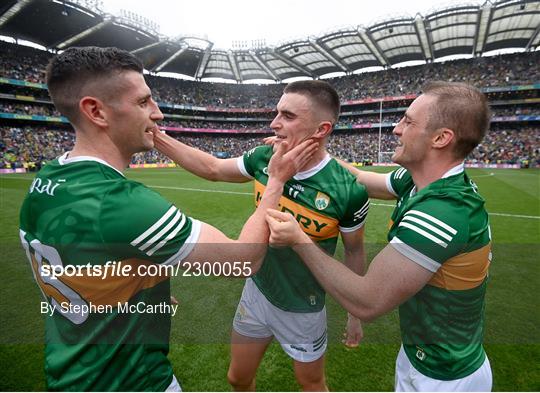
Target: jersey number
column 64, row 299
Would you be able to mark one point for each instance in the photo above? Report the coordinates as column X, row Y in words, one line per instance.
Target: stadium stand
column 226, row 119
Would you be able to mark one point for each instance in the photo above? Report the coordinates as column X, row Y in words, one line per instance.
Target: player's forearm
column 348, row 288
column 374, row 182
column 355, row 260
column 193, row 160
column 255, row 232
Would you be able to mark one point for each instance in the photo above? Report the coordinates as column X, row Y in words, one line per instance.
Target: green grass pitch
column 199, row 350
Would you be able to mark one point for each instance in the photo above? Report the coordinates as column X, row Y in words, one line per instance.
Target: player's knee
column 239, row 381
column 312, row 383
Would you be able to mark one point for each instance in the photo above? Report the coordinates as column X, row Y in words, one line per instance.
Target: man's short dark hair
column 462, row 108
column 322, row 93
column 72, row 70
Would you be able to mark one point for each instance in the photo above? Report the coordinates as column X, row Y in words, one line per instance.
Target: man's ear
column 92, row 109
column 443, row 137
column 325, row 128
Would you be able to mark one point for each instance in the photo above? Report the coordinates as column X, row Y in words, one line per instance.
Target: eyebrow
column 145, row 97
column 287, row 112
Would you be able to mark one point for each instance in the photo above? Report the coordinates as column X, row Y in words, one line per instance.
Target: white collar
column 63, row 160
column 311, row 172
column 455, row 170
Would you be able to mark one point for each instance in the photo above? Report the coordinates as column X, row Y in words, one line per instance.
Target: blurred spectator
column 19, row 62
column 509, row 143
column 501, row 146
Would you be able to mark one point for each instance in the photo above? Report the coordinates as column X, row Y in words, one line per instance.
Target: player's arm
column 355, row 260
column 252, row 243
column 198, row 162
column 390, row 280
column 376, row 183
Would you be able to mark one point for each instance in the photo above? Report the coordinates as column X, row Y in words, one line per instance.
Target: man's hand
column 353, row 332
column 270, row 140
column 284, row 229
column 285, row 163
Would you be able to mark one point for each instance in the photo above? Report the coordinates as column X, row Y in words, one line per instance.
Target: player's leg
column 246, row 355
column 249, row 339
column 310, row 375
column 303, row 337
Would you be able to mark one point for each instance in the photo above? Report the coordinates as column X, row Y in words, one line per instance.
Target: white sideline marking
column 251, row 194
column 488, row 175
column 202, row 190
column 373, row 204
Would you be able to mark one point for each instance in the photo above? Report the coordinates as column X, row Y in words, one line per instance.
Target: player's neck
column 103, row 149
column 315, row 160
column 429, row 171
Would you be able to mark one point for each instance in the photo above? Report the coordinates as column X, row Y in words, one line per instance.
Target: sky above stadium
column 276, row 21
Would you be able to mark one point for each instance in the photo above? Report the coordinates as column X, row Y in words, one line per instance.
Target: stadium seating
column 32, row 131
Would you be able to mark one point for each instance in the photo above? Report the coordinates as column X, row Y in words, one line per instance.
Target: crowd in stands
column 28, row 109
column 25, row 63
column 520, row 110
column 22, row 145
column 512, row 69
column 509, row 146
column 219, row 125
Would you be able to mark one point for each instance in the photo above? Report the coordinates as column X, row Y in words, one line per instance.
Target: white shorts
column 174, row 386
column 409, row 379
column 301, row 335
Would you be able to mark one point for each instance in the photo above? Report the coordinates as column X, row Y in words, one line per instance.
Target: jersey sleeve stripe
column 169, row 236
column 415, row 255
column 160, row 234
column 432, row 219
column 242, row 168
column 153, row 228
column 428, row 226
column 389, row 184
column 188, row 244
column 424, row 233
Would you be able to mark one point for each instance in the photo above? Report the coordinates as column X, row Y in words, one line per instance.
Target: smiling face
column 132, row 114
column 296, row 119
column 414, row 137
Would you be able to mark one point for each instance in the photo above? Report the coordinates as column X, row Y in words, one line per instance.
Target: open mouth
column 282, row 137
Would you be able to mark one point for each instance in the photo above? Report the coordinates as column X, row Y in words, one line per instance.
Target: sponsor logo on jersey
column 420, row 354
column 265, row 170
column 322, row 201
column 312, row 222
column 249, row 153
column 45, row 186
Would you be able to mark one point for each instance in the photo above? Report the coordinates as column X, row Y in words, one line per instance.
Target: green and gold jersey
column 325, row 201
column 444, row 228
column 109, row 328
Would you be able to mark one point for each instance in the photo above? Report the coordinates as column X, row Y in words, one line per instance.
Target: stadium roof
column 457, row 30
